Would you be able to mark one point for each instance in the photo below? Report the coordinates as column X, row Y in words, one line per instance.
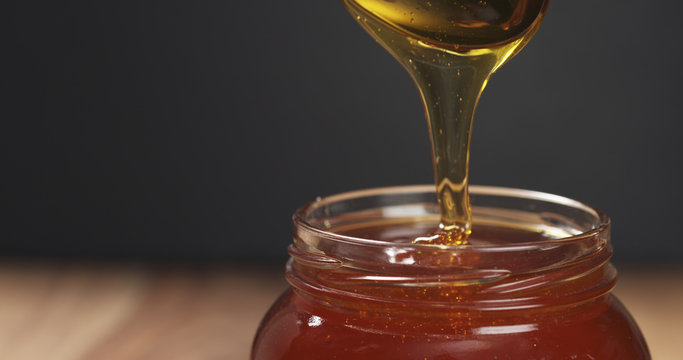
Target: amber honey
column 450, row 48
column 413, row 273
column 534, row 283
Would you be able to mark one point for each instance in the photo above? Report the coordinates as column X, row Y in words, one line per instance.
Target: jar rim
column 602, row 225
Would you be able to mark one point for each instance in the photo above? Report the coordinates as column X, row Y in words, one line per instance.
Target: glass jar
column 534, row 283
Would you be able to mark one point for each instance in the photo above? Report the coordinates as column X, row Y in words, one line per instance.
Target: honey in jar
column 534, row 282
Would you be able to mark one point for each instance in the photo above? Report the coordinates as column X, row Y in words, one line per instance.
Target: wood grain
column 94, row 311
column 655, row 299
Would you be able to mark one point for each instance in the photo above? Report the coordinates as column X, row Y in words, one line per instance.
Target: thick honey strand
column 450, row 48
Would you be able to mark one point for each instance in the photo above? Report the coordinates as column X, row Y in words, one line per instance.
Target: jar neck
column 548, row 272
column 456, row 290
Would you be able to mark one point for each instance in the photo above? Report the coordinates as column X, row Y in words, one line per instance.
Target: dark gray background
column 192, row 130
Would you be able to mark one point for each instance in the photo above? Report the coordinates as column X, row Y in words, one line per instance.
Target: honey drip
column 450, row 48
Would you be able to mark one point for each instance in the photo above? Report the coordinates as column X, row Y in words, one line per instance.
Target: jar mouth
column 598, row 222
column 563, row 249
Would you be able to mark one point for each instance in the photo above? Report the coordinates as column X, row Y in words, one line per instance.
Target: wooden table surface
column 94, row 311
